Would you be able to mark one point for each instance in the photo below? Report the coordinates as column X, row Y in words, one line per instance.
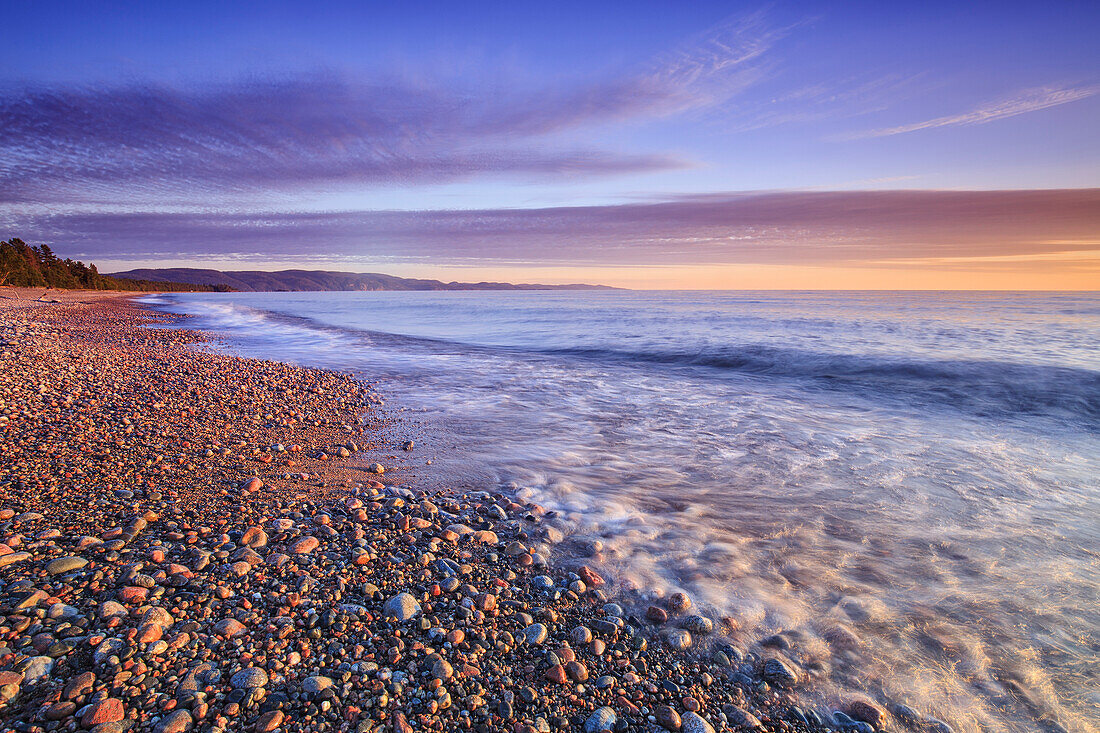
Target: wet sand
column 199, row 541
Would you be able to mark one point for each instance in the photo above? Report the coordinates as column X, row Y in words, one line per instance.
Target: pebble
column 269, row 721
column 656, row 614
column 678, row 603
column 602, row 719
column 65, row 565
column 176, row 721
column 316, row 683
column 741, row 718
column 779, row 673
column 866, row 710
column 403, row 607
column 305, row 545
column 37, row 668
column 694, row 723
column 698, row 624
column 678, row 639
column 535, row 633
column 667, row 717
column 109, row 710
column 248, row 678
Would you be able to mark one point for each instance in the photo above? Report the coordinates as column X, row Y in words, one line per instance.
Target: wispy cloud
column 719, row 64
column 153, row 142
column 826, row 227
column 1030, row 100
column 148, row 141
column 838, row 99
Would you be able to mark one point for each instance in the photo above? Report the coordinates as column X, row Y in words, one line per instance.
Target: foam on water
column 907, row 483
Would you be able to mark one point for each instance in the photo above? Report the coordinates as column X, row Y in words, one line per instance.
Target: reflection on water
column 904, row 484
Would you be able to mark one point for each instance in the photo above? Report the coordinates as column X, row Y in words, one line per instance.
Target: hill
column 312, row 280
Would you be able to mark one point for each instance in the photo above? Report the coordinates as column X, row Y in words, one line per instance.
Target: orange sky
column 1083, row 274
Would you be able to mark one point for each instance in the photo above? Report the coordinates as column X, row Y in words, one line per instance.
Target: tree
column 24, row 266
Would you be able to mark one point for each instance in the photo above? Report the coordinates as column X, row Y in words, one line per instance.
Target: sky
column 640, row 144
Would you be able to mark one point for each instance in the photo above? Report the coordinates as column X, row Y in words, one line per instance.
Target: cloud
column 152, row 142
column 149, row 141
column 814, row 227
column 1030, row 100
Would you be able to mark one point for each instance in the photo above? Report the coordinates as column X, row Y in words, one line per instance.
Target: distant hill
column 296, row 280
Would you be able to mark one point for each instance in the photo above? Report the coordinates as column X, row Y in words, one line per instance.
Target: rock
column 65, row 565
column 79, row 685
column 107, row 711
column 576, row 671
column 248, row 678
column 408, row 445
column 740, row 718
column 304, row 546
column 535, row 633
column 667, row 717
column 906, row 714
column 678, row 603
column 376, row 468
column 37, row 668
column 403, row 607
column 252, row 484
column 776, row 641
column 254, row 537
column 60, row 710
column 110, row 609
column 656, row 614
column 400, row 724
column 695, row 723
column 590, row 577
column 176, row 721
column 779, row 673
column 107, row 649
column 13, row 557
column 557, row 674
column 149, row 633
column 678, row 639
column 133, row 594
column 159, row 616
column 698, row 624
column 439, row 667
column 866, row 710
column 606, row 627
column 602, row 719
column 230, row 628
column 269, row 721
column 315, row 684
column 580, row 635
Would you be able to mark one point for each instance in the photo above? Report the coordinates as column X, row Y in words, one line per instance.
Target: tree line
column 22, row 265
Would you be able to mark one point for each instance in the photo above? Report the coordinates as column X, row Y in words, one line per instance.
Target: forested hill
column 302, row 280
column 22, row 265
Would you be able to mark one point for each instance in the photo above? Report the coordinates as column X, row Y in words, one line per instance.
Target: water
column 909, row 481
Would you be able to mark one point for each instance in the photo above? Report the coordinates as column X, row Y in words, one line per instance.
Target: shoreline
column 145, row 584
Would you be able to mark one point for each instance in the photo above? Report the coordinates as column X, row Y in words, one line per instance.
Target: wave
column 985, row 387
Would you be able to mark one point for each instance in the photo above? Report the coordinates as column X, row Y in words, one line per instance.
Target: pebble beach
column 196, row 541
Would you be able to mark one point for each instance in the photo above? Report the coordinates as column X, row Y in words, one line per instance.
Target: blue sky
column 258, row 113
